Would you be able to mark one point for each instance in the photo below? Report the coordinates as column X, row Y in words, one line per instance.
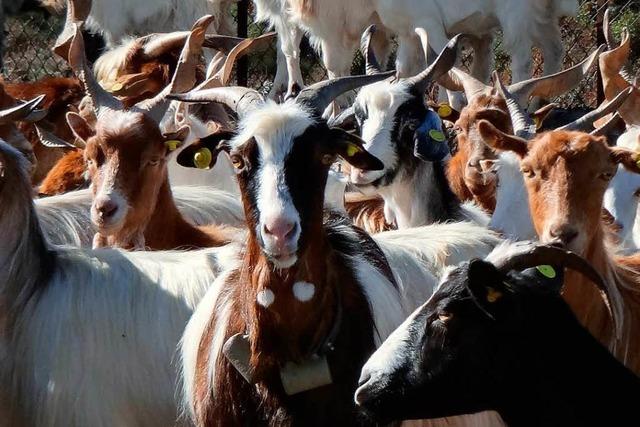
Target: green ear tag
column 436, row 135
column 444, row 111
column 202, row 158
column 638, row 163
column 172, row 144
column 352, row 149
column 547, row 271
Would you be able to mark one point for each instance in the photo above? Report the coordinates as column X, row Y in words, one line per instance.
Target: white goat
column 89, row 337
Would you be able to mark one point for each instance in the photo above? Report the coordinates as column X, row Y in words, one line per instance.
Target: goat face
column 126, row 157
column 391, row 119
column 566, row 175
column 282, row 156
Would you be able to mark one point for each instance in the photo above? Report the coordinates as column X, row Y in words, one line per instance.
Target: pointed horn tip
column 371, row 29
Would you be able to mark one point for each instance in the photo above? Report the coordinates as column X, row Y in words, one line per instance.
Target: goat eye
column 328, row 159
column 237, row 161
column 637, row 193
column 154, row 162
column 528, row 172
column 444, row 316
column 606, row 176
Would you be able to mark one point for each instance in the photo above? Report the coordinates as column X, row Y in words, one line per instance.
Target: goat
column 496, row 335
column 106, row 17
column 566, row 173
column 469, row 170
column 408, row 138
column 523, row 25
column 126, row 156
column 67, row 312
column 285, row 294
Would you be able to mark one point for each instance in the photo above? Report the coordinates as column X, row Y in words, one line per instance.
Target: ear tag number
column 444, row 110
column 172, row 144
column 437, row 135
column 352, row 150
column 312, row 373
column 202, row 158
column 547, row 271
column 493, row 295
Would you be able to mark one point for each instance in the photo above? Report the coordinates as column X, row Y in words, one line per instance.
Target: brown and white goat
column 126, row 155
column 566, row 174
column 469, row 171
column 303, row 270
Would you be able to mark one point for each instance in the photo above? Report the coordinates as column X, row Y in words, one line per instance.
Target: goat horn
column 48, row 139
column 533, row 256
column 585, row 123
column 240, row 99
column 556, row 84
column 20, row 111
column 77, row 12
column 159, row 44
column 184, row 77
column 372, row 66
column 443, row 63
column 458, row 80
column 318, row 96
column 608, row 36
column 102, row 100
column 614, row 123
column 523, row 126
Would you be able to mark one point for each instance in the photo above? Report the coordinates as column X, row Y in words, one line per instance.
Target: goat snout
column 362, row 177
column 280, row 239
column 108, row 211
column 280, row 229
column 563, row 233
column 106, row 208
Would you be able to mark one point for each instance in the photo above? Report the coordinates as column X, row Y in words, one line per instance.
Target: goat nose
column 363, row 392
column 564, row 233
column 280, row 229
column 106, row 207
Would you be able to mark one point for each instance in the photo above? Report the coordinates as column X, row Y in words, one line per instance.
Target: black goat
column 498, row 336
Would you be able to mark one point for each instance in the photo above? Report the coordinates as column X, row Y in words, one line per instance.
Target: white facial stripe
column 274, row 199
column 265, row 297
column 304, row 291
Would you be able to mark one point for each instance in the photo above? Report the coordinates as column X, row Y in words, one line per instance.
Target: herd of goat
column 179, row 251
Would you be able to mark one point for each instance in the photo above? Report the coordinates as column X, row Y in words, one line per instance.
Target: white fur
column 304, row 291
column 265, row 297
column 621, row 199
column 512, row 216
column 66, row 219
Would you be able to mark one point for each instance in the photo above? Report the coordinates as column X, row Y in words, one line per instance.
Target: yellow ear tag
column 352, row 149
column 172, row 144
column 444, row 111
column 493, row 295
column 437, row 135
column 638, row 163
column 537, row 121
column 202, row 159
column 117, row 86
column 547, row 271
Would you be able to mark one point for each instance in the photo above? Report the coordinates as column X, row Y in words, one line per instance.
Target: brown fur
column 566, row 175
column 68, row 174
column 464, row 172
column 367, row 213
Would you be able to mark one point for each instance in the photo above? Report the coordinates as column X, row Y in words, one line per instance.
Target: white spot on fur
column 304, row 291
column 265, row 297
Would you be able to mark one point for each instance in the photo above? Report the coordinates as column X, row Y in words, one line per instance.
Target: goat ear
column 627, row 158
column 203, row 153
column 429, row 141
column 499, row 140
column 351, row 149
column 486, row 285
column 79, row 127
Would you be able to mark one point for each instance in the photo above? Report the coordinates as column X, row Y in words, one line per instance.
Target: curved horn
column 613, row 125
column 318, row 96
column 20, row 111
column 155, row 45
column 372, row 66
column 102, row 100
column 443, row 63
column 556, row 84
column 240, row 99
column 48, row 139
column 533, row 256
column 608, row 36
column 458, row 80
column 77, row 12
column 585, row 123
column 523, row 126
column 184, row 77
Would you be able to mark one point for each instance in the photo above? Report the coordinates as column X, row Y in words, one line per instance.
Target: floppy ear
column 429, row 141
column 203, row 153
column 79, row 127
column 173, row 140
column 486, row 285
column 351, row 149
column 499, row 140
column 627, row 158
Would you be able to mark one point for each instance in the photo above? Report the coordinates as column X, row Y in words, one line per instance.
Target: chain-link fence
column 29, row 37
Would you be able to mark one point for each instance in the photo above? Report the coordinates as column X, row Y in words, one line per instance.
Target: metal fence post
column 242, row 69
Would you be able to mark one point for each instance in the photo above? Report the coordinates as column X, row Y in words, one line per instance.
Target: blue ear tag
column 430, row 142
